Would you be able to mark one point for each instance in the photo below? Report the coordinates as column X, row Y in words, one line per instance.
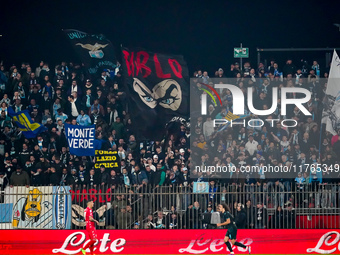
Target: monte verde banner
column 81, row 140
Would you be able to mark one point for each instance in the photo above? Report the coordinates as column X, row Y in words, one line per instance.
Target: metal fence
column 271, row 205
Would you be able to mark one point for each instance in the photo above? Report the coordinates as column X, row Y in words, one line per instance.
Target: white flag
column 331, row 109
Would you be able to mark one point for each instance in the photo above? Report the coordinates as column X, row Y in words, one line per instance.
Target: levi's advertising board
column 288, row 241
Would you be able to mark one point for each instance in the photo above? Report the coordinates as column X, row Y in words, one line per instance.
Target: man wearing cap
column 155, row 160
column 182, row 155
column 235, row 69
column 186, row 180
column 19, row 178
column 49, row 124
column 220, row 73
column 90, row 86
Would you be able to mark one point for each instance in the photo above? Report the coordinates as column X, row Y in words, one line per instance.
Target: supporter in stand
column 56, row 96
column 19, row 178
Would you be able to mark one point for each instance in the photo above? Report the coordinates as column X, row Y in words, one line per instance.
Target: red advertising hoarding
column 294, row 241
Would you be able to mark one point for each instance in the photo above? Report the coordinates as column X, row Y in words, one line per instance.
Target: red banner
column 318, row 221
column 295, row 241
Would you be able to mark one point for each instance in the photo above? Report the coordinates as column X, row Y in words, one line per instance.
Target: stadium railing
column 270, row 205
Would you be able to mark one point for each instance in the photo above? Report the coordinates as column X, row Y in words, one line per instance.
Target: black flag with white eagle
column 95, row 51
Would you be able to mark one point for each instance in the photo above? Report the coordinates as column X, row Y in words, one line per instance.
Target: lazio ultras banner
column 81, row 140
column 24, row 122
column 157, row 89
column 95, row 51
column 108, row 159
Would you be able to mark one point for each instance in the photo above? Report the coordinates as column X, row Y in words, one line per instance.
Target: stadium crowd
column 311, row 151
column 63, row 94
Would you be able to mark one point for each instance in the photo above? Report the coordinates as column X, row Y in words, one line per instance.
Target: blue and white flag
column 62, row 211
column 81, row 140
column 201, row 187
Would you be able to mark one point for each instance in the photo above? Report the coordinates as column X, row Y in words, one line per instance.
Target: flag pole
column 322, row 124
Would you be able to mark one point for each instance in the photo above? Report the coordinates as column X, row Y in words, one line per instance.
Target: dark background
column 204, row 32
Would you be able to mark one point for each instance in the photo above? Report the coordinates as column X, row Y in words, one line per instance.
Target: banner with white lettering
column 61, row 204
column 81, row 139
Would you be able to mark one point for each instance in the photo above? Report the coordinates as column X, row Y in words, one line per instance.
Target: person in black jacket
column 92, row 179
column 261, row 219
column 74, row 178
column 103, row 176
column 249, row 209
column 149, row 173
column 54, row 178
column 241, row 217
column 66, row 178
column 114, row 180
column 193, row 216
column 277, row 218
column 289, row 216
column 81, row 175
